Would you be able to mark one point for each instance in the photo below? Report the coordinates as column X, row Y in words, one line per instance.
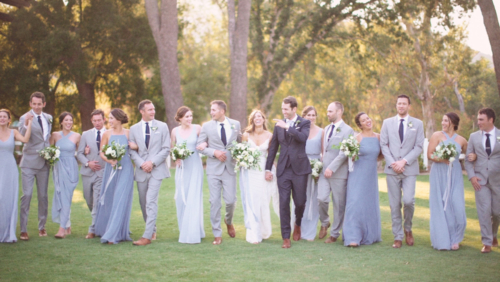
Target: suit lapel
column 151, row 133
column 497, row 144
column 408, row 131
column 233, row 134
column 35, row 127
column 216, row 133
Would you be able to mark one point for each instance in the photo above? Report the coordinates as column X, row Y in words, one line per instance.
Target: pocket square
column 157, row 132
column 298, row 127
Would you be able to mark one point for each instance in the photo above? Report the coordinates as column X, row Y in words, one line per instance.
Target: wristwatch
column 87, row 164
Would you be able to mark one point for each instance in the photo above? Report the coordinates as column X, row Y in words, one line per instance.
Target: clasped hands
column 93, row 165
column 399, row 166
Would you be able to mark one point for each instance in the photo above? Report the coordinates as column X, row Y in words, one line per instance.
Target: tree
column 490, row 19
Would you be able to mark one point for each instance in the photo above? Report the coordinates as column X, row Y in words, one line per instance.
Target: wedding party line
column 315, row 166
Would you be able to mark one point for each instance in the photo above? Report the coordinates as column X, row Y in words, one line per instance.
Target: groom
column 293, row 169
column 153, row 138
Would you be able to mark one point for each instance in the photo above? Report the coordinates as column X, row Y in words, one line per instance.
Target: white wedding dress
column 261, row 192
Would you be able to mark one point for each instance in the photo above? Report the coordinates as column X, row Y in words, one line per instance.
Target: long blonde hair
column 251, row 125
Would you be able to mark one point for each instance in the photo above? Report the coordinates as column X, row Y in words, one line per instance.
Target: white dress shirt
column 102, row 132
column 45, row 123
column 492, row 139
column 405, row 123
column 337, row 125
column 227, row 128
column 291, row 122
column 143, row 124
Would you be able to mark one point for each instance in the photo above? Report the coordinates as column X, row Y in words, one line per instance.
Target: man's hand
column 269, row 176
column 399, row 166
column 29, row 117
column 220, row 155
column 147, row 166
column 281, row 123
column 475, row 183
column 94, row 166
column 328, row 173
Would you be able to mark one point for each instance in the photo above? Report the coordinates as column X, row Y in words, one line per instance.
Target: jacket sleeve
column 134, row 155
column 81, row 149
column 340, row 158
column 209, row 152
column 413, row 155
column 384, row 144
column 469, row 166
column 302, row 134
column 273, row 149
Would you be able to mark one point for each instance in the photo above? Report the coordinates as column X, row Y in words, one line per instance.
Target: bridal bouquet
column 50, row 154
column 446, row 152
column 350, row 147
column 181, row 152
column 115, row 151
column 316, row 167
column 245, row 156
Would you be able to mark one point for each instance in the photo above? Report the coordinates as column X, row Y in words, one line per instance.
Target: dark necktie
column 40, row 122
column 488, row 144
column 401, row 131
column 98, row 141
column 223, row 134
column 331, row 131
column 147, row 135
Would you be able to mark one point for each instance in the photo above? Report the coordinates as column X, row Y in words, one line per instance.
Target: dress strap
column 448, row 137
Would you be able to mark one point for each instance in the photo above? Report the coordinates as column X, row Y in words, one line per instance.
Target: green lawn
column 78, row 259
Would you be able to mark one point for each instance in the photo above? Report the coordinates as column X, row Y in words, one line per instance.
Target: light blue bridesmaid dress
column 447, row 227
column 9, row 191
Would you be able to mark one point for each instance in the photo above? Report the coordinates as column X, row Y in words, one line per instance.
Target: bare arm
column 26, row 138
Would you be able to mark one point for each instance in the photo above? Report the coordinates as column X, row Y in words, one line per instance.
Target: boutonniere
column 50, row 120
column 154, row 128
column 337, row 131
column 297, row 122
column 498, row 139
column 410, row 124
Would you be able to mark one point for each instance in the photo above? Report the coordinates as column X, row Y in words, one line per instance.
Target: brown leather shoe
column 397, row 244
column 495, row 242
column 331, row 239
column 153, row 237
column 217, row 241
column 90, row 236
column 486, row 249
column 42, row 233
column 24, row 236
column 323, row 231
column 296, row 233
column 353, row 245
column 230, row 229
column 286, row 244
column 142, row 242
column 409, row 238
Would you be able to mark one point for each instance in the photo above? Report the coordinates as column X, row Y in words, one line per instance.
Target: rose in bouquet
column 245, row 156
column 114, row 151
column 316, row 167
column 350, row 148
column 181, row 152
column 50, row 154
column 445, row 152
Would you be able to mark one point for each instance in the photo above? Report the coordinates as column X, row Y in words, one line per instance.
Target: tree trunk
column 428, row 111
column 493, row 29
column 460, row 98
column 164, row 26
column 238, row 39
column 87, row 103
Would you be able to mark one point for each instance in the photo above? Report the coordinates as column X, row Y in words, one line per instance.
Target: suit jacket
column 89, row 138
column 486, row 168
column 410, row 149
column 210, row 134
column 331, row 158
column 293, row 148
column 158, row 151
column 31, row 158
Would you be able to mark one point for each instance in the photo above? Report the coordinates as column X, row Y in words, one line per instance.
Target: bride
column 257, row 215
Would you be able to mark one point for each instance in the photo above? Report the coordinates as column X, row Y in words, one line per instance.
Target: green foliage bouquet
column 316, row 167
column 50, row 154
column 245, row 156
column 181, row 152
column 114, row 151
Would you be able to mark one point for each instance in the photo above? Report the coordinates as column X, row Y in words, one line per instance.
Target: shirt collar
column 36, row 115
column 143, row 122
column 225, row 122
column 293, row 119
column 492, row 132
column 405, row 118
column 338, row 123
column 101, row 130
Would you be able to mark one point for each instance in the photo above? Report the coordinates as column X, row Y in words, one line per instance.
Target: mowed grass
column 78, row 259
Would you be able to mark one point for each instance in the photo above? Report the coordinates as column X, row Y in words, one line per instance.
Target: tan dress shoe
column 409, row 238
column 286, row 244
column 90, row 236
column 296, row 233
column 24, row 236
column 142, row 242
column 331, row 239
column 397, row 244
column 153, row 237
column 495, row 242
column 42, row 233
column 486, row 249
column 323, row 231
column 230, row 229
column 217, row 241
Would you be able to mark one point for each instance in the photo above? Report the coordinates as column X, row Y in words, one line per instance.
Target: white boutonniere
column 410, row 124
column 154, row 128
column 232, row 126
column 337, row 131
column 50, row 120
column 498, row 139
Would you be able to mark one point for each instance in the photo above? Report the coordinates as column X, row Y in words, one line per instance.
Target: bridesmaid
column 189, row 183
column 362, row 214
column 9, row 177
column 65, row 173
column 314, row 147
column 115, row 202
column 447, row 227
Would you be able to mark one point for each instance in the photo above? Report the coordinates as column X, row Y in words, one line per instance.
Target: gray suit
column 337, row 184
column 148, row 184
column 92, row 180
column 394, row 150
column 220, row 175
column 34, row 167
column 487, row 169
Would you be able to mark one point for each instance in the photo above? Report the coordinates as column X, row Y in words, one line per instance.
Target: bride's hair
column 251, row 125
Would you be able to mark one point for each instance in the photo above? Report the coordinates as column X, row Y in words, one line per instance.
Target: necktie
column 488, row 144
column 331, row 131
column 98, row 141
column 401, row 131
column 40, row 122
column 223, row 134
column 147, row 135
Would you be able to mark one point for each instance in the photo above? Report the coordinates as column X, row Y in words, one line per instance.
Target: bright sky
column 478, row 38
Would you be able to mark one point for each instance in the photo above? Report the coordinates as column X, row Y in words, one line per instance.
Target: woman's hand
column 133, row 146
column 472, row 157
column 112, row 162
column 87, row 150
column 178, row 162
column 202, row 146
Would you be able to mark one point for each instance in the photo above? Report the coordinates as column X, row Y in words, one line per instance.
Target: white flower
column 452, row 159
column 113, row 154
column 438, row 148
column 410, row 124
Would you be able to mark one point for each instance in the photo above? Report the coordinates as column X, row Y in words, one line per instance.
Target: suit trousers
column 295, row 185
column 42, row 182
column 405, row 185
column 224, row 184
column 488, row 211
column 91, row 193
column 148, row 198
column 337, row 187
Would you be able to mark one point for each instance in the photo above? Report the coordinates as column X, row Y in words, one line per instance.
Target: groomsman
column 153, row 138
column 290, row 135
column 334, row 179
column 219, row 133
column 33, row 166
column 92, row 165
column 401, row 141
column 484, row 174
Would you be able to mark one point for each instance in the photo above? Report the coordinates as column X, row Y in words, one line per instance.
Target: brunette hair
column 307, row 109
column 489, row 112
column 405, row 97
column 143, row 103
column 357, row 117
column 62, row 116
column 454, row 119
column 291, row 100
column 5, row 111
column 97, row 112
column 120, row 115
column 39, row 95
column 251, row 124
column 222, row 105
column 181, row 112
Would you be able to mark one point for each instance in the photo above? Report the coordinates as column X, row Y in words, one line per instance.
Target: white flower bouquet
column 446, row 152
column 181, row 152
column 114, row 151
column 50, row 154
column 316, row 167
column 350, row 148
column 245, row 156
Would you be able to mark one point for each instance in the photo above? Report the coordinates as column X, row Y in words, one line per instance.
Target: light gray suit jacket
column 158, row 151
column 210, row 134
column 31, row 158
column 331, row 158
column 89, row 138
column 410, row 149
column 486, row 168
